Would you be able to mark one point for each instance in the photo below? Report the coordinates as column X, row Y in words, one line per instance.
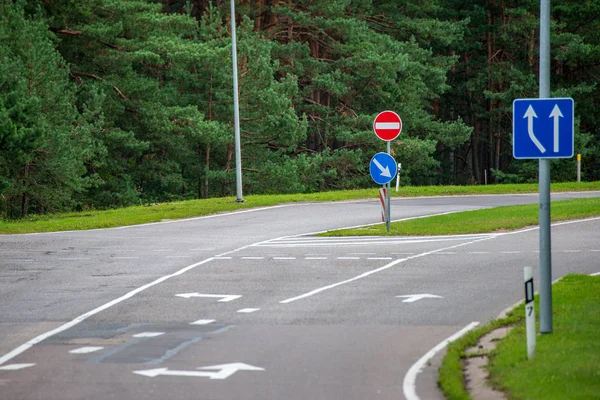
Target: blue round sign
column 383, row 168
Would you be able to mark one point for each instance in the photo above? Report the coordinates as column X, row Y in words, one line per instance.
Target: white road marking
column 379, row 258
column 125, row 258
column 478, row 252
column 348, row 258
column 148, row 334
column 374, row 271
column 284, row 258
column 178, row 256
column 446, row 253
column 595, row 251
column 203, row 322
column 86, row 350
column 408, row 386
column 223, row 258
column 510, row 252
column 15, row 367
column 248, row 310
column 411, row 298
column 595, row 274
column 224, row 371
column 161, row 250
column 224, row 297
column 74, row 259
column 253, row 258
column 26, row 346
column 315, row 258
column 571, row 251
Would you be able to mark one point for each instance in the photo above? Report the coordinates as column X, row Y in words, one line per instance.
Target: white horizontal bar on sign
column 387, row 125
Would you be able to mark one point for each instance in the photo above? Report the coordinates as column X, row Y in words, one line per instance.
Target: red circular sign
column 387, row 125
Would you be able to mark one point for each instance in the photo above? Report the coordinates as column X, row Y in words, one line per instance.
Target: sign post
column 387, row 126
column 529, row 312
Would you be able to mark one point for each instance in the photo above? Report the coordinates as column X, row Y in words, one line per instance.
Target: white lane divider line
column 379, row 258
column 74, row 259
column 203, row 322
column 15, row 367
column 252, row 258
column 510, row 252
column 178, row 256
column 148, row 334
column 125, row 258
column 284, row 258
column 571, row 251
column 248, row 310
column 409, row 384
column 315, row 258
column 374, row 271
column 348, row 258
column 86, row 350
column 478, row 252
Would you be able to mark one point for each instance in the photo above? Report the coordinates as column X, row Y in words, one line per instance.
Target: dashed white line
column 571, row 251
column 253, row 258
column 14, row 367
column 284, row 258
column 510, row 252
column 478, row 252
column 125, row 258
column 348, row 258
column 248, row 310
column 315, row 258
column 379, row 258
column 74, row 259
column 178, row 256
column 203, row 322
column 148, row 334
column 86, row 350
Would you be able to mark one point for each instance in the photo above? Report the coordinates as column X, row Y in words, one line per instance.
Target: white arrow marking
column 384, row 171
column 411, row 298
column 530, row 115
column 224, row 297
column 556, row 114
column 224, row 371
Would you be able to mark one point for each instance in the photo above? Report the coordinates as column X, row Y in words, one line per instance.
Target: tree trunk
column 25, row 197
column 207, row 163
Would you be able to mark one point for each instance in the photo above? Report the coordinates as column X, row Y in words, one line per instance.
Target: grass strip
column 94, row 219
column 479, row 221
column 567, row 363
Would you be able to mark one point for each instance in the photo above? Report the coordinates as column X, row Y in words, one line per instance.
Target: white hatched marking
column 203, row 322
column 148, row 334
column 14, row 367
column 85, row 350
column 248, row 310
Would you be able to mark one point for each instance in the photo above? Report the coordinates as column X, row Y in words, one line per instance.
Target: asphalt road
column 130, row 314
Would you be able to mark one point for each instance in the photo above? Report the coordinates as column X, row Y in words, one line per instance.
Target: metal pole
column 236, row 110
column 544, row 179
column 388, row 199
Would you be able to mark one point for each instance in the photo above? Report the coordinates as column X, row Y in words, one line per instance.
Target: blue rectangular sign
column 543, row 128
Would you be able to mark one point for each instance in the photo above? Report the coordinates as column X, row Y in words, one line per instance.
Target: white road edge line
column 409, row 384
column 26, row 346
column 374, row 271
column 595, row 274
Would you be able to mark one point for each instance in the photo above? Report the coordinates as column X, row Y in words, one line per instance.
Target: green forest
column 110, row 103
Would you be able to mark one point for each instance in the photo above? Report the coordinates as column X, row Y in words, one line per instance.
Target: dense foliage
column 106, row 103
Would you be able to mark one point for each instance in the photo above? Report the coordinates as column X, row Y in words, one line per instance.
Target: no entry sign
column 387, row 125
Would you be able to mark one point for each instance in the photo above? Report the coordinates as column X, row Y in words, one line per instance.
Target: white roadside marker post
column 529, row 312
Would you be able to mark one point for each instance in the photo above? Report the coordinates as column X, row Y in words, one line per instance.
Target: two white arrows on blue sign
column 543, row 128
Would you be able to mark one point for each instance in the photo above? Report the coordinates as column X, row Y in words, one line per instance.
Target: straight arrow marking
column 556, row 114
column 411, row 298
column 530, row 115
column 224, row 297
column 384, row 171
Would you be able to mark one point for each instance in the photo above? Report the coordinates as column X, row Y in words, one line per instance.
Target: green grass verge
column 479, row 221
column 567, row 363
column 195, row 208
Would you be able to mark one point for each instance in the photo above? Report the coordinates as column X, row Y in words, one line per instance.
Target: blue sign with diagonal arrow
column 383, row 168
column 543, row 128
